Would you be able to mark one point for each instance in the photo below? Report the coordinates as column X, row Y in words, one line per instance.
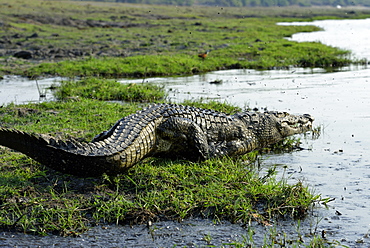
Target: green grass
column 161, row 40
column 268, row 55
column 82, row 118
column 105, row 89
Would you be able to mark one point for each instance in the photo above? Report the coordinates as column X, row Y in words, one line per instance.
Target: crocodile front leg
column 179, row 137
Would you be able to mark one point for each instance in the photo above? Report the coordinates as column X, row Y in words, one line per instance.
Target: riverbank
column 41, row 201
column 82, row 39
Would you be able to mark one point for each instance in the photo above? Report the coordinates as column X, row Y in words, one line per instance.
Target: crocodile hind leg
column 181, row 138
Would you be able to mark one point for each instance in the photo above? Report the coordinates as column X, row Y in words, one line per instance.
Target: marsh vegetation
column 119, row 40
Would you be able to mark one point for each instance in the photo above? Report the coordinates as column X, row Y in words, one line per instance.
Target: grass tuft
column 105, row 89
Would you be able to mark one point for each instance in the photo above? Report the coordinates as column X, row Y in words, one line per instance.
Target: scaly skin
column 162, row 130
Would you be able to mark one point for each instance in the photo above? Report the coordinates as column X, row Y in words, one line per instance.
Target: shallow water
column 352, row 35
column 18, row 90
column 141, row 236
column 336, row 165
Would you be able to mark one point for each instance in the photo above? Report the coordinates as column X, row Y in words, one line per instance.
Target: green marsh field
column 92, row 44
column 73, row 38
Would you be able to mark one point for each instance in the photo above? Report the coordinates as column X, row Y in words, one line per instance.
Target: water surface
column 353, row 35
column 16, row 89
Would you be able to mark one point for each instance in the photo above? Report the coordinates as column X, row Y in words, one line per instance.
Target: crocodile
column 160, row 130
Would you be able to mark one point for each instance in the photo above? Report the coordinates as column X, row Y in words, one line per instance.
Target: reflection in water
column 337, row 165
column 19, row 90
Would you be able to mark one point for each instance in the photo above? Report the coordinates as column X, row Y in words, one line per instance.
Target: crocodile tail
column 50, row 152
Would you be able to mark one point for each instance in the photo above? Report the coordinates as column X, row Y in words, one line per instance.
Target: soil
column 21, row 46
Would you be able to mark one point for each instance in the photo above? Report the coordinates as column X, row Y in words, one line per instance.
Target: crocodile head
column 288, row 124
column 271, row 127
